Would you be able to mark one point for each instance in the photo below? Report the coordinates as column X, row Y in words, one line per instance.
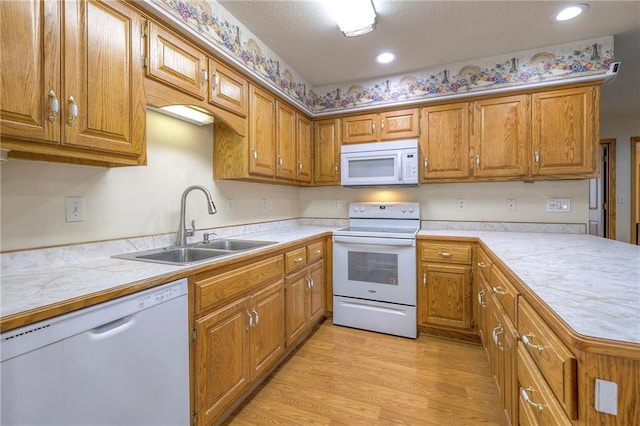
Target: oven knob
column 410, row 209
column 403, row 209
column 355, row 208
column 361, row 209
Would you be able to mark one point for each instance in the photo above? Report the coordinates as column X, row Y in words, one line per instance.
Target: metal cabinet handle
column 74, row 111
column 482, row 265
column 279, row 161
column 424, row 279
column 55, row 106
column 373, row 127
column 308, row 282
column 481, row 294
column 216, row 81
column 497, row 331
column 312, row 283
column 317, row 252
column 426, row 164
column 525, row 339
column 250, row 320
column 537, row 157
column 205, row 77
column 335, row 168
column 297, row 259
column 257, row 318
column 255, row 154
column 478, row 160
column 499, row 290
column 299, row 165
column 445, row 254
column 382, row 126
column 525, row 395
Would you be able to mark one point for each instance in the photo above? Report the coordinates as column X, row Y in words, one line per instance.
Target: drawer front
column 537, row 403
column 446, row 252
column 225, row 287
column 484, row 264
column 315, row 251
column 295, row 259
column 505, row 292
column 556, row 363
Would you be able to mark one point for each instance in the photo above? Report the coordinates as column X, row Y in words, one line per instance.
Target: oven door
column 382, row 269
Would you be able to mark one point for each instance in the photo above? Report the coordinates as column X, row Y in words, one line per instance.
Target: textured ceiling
column 426, row 34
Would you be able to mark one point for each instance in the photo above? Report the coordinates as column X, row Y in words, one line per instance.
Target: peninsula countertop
column 592, row 283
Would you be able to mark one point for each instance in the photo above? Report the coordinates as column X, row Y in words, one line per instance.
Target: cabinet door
column 446, row 296
column 316, row 292
column 565, row 131
column 499, row 132
column 285, row 142
column 267, row 332
column 262, row 113
column 444, row 142
column 222, row 371
column 326, row 139
column 399, row 124
column 296, row 293
column 30, row 70
column 360, row 128
column 303, row 149
column 103, row 77
column 176, row 63
column 229, row 89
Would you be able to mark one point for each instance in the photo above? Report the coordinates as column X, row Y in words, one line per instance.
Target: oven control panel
column 390, row 210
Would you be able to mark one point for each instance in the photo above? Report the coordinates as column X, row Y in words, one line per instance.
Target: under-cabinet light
column 188, row 113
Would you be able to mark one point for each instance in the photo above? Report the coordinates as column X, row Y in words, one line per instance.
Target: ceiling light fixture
column 354, row 17
column 571, row 12
column 193, row 115
column 385, row 57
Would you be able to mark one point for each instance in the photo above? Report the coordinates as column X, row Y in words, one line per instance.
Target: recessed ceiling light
column 385, row 57
column 571, row 12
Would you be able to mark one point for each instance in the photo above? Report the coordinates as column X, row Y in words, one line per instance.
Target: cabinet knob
column 55, row 106
column 74, row 111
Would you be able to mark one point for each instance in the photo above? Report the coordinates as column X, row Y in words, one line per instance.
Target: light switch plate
column 559, row 205
column 74, row 209
column 606, row 397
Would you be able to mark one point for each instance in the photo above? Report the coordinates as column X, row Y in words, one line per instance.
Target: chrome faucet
column 181, row 240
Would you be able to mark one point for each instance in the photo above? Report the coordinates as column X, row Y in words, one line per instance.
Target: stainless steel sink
column 233, row 245
column 194, row 253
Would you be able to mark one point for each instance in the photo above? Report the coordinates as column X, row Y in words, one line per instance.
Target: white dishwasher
column 122, row 362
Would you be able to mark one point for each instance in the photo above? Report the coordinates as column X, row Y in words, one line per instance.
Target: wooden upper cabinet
column 444, row 141
column 103, row 77
column 100, row 101
column 499, row 132
column 565, row 132
column 262, row 122
column 175, row 62
column 30, row 70
column 326, row 142
column 285, row 142
column 303, row 149
column 380, row 126
column 229, row 89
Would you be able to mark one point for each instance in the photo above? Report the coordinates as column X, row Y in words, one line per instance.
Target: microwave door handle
column 374, row 241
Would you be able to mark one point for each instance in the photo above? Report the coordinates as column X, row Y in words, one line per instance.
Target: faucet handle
column 207, row 235
column 190, row 232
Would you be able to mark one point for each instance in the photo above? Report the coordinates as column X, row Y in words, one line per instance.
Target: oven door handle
column 375, row 241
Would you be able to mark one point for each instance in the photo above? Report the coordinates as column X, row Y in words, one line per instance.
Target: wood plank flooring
column 343, row 376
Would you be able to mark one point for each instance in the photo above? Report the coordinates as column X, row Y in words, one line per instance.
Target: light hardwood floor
column 343, row 376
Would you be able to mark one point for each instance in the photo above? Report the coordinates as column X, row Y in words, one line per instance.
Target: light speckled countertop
column 592, row 283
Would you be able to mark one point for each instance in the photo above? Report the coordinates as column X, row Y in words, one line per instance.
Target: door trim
column 611, row 196
column 635, row 190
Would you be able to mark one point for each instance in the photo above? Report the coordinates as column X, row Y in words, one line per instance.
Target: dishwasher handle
column 112, row 328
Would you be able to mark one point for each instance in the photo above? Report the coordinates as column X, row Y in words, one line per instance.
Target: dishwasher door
column 123, row 362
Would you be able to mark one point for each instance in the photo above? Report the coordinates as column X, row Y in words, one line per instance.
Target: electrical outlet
column 230, row 206
column 559, row 205
column 74, row 209
column 337, row 204
column 462, row 204
column 511, row 205
column 263, row 205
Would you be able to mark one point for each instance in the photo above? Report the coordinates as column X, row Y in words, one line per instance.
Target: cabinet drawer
column 537, row 404
column 484, row 264
column 315, row 251
column 557, row 365
column 446, row 252
column 213, row 290
column 505, row 292
column 295, row 259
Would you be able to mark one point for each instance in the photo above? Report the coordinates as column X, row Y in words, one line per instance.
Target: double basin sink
column 193, row 253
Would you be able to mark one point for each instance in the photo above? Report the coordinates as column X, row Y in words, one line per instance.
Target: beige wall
column 622, row 129
column 131, row 201
column 135, row 201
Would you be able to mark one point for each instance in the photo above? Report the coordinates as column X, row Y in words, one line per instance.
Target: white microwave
column 380, row 164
